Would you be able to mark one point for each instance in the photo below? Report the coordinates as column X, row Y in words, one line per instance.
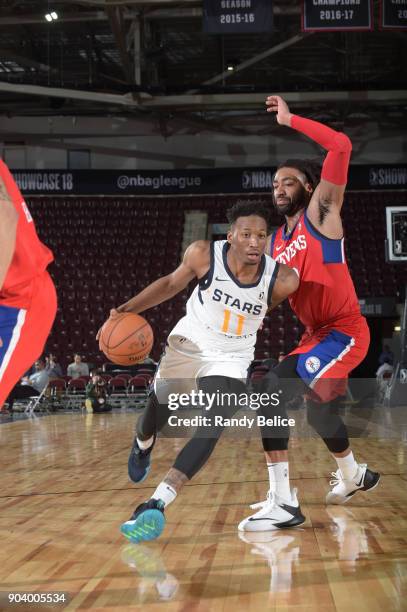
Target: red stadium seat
column 90, row 280
column 76, row 385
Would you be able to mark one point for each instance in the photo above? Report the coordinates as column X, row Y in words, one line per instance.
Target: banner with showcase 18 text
column 187, row 182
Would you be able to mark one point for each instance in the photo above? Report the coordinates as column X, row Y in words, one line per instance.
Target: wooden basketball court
column 65, row 493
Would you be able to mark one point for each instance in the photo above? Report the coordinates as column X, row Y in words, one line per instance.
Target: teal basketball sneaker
column 146, row 523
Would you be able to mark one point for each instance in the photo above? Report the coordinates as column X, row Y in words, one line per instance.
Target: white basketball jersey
column 223, row 308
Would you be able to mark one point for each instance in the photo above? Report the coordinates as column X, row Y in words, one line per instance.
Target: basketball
column 126, row 339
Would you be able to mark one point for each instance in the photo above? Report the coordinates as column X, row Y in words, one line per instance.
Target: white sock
column 145, row 444
column 347, row 465
column 165, row 492
column 279, row 479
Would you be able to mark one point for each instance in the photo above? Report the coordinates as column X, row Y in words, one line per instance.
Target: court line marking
column 198, row 484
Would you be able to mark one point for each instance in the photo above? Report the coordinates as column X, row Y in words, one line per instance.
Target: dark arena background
column 131, row 127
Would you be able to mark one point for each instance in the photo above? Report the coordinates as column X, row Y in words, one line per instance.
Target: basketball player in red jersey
column 27, row 294
column 336, row 337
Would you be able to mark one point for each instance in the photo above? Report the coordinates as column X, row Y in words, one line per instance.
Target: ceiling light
column 53, row 16
column 230, row 67
column 397, row 328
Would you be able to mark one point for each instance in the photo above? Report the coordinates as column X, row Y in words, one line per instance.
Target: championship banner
column 393, row 14
column 336, row 15
column 187, row 182
column 237, row 16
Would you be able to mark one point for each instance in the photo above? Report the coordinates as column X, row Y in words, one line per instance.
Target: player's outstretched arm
column 8, row 229
column 195, row 263
column 328, row 197
column 286, row 283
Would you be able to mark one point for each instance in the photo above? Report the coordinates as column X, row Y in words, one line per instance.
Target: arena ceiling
column 151, row 59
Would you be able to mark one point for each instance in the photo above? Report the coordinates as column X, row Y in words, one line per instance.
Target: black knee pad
column 326, row 421
column 153, row 417
column 224, row 389
column 197, row 451
column 274, row 437
column 284, row 380
column 194, row 455
column 274, row 444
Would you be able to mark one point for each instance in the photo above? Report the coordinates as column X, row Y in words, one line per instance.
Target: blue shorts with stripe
column 320, row 360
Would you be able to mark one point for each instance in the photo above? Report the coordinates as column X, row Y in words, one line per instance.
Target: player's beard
column 295, row 203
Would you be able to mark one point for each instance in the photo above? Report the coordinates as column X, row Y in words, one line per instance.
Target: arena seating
column 107, row 249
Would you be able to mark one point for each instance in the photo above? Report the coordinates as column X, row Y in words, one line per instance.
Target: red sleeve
column 338, row 144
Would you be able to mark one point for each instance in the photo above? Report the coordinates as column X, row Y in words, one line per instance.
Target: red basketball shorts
column 24, row 331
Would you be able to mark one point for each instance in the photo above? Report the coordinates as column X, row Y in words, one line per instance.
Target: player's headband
column 299, row 178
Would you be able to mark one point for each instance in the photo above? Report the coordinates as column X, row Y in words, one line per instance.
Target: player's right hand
column 276, row 104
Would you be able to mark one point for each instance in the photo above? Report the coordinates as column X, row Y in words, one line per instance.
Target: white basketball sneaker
column 343, row 490
column 274, row 513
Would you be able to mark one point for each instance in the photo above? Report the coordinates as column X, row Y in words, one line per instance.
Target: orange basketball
column 126, row 339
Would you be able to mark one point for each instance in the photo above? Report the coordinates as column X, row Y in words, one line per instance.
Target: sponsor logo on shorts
column 312, row 364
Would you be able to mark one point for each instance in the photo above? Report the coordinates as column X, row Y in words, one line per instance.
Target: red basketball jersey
column 31, row 257
column 326, row 295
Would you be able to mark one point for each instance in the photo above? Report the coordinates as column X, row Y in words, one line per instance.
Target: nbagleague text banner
column 188, row 182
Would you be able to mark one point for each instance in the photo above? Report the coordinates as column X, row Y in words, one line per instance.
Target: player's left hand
column 276, row 104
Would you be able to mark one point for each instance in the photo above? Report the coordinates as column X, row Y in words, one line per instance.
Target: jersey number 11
column 226, row 321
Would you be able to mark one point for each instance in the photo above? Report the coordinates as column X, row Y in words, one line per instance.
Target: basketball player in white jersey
column 211, row 347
